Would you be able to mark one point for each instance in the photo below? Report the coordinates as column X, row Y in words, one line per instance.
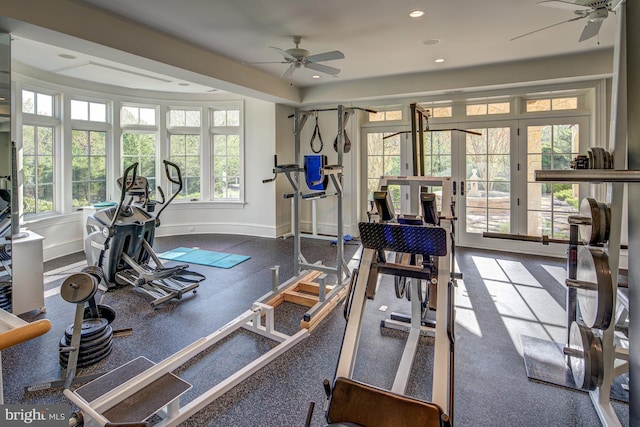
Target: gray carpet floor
column 502, row 297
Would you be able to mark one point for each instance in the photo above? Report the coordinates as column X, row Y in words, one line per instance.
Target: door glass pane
column 551, row 147
column 383, row 158
column 488, row 176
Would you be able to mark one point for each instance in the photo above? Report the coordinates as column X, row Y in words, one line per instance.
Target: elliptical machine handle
column 125, row 187
column 178, row 181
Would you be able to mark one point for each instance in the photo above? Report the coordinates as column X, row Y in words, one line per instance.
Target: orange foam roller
column 24, row 333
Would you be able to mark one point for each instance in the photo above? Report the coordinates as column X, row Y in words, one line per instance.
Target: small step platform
column 306, row 292
column 151, row 400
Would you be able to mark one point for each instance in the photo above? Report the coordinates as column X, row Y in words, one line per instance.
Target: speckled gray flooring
column 501, row 297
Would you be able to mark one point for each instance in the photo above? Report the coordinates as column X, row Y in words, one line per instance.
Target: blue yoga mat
column 202, row 257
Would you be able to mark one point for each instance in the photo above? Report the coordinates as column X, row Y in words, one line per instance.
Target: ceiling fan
column 297, row 58
column 594, row 11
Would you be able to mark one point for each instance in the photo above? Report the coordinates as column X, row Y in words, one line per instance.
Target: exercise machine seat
column 355, row 403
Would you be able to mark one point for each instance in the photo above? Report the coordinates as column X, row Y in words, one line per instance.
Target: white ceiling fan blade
column 327, row 56
column 590, row 30
column 561, row 4
column 289, row 71
column 284, row 53
column 550, row 26
column 322, row 68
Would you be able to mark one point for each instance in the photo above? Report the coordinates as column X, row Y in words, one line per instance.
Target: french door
column 498, row 168
column 496, row 161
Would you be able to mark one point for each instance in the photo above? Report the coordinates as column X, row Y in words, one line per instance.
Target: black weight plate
column 85, row 356
column 596, row 306
column 90, row 328
column 588, row 368
column 104, row 311
column 86, row 345
column 85, row 362
column 78, row 287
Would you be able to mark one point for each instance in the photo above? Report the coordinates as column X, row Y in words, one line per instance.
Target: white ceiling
column 377, row 37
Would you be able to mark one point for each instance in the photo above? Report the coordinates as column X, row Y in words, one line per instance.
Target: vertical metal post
column 572, row 267
column 633, row 138
column 414, row 152
column 297, row 129
column 340, row 236
column 322, row 287
column 275, row 270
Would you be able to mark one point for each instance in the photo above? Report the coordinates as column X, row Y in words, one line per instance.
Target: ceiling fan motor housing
column 298, row 53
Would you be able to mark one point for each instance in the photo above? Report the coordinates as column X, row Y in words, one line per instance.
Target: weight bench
column 353, row 402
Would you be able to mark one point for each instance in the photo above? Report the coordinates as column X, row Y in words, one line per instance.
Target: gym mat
column 202, row 257
column 545, row 362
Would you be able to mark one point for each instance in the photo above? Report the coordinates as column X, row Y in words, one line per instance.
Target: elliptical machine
column 120, row 239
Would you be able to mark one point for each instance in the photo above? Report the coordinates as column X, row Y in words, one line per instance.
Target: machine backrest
column 365, row 405
column 404, row 238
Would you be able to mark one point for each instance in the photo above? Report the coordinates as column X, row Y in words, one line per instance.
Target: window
column 552, row 104
column 37, row 158
column 382, row 116
column 37, row 103
column 383, row 158
column 437, row 112
column 488, row 108
column 89, row 167
column 141, row 148
column 488, row 180
column 185, row 147
column 226, row 154
column 437, row 153
column 133, row 115
column 551, row 147
column 87, row 110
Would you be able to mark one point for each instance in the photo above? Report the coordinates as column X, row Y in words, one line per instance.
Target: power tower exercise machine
column 320, row 297
column 120, row 239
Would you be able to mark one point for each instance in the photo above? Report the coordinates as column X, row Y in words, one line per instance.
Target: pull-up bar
column 318, row 110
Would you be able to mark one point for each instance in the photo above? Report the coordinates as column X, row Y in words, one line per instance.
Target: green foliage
column 566, row 195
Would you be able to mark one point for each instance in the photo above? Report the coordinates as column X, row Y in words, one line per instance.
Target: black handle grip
column 454, row 188
column 327, row 387
column 178, row 181
column 462, row 188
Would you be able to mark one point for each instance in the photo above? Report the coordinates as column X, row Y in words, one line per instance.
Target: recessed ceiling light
column 439, row 60
column 431, row 42
column 416, row 13
column 315, row 76
column 66, row 56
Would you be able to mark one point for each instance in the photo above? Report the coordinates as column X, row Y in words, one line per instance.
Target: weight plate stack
column 587, row 367
column 96, row 342
column 5, row 296
column 596, row 305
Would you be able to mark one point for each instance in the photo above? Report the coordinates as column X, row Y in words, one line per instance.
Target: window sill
column 207, row 204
